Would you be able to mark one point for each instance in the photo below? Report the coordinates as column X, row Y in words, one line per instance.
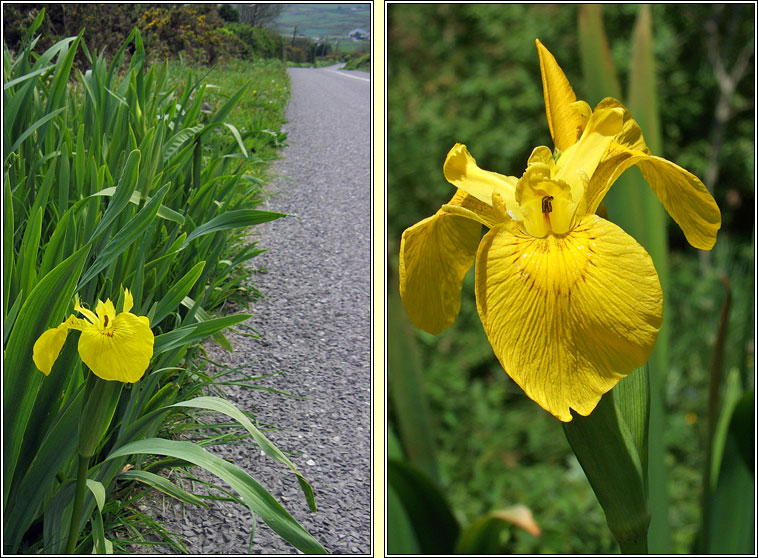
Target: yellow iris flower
column 570, row 303
column 114, row 346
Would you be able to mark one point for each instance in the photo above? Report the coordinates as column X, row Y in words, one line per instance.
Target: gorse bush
column 117, row 182
column 196, row 31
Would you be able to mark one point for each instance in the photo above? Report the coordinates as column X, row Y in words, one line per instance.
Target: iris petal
column 685, row 198
column 48, row 347
column 579, row 162
column 128, row 300
column 568, row 316
column 564, row 121
column 461, row 170
column 682, row 193
column 435, row 255
column 122, row 354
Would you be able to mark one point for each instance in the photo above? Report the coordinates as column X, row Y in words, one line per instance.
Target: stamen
column 547, row 204
column 105, row 320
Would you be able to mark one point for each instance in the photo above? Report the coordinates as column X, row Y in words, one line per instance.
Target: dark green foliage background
column 470, row 74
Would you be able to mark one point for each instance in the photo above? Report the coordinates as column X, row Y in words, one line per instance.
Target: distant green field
column 324, row 20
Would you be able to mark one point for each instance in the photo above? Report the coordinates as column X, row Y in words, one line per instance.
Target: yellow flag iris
column 114, row 346
column 570, row 303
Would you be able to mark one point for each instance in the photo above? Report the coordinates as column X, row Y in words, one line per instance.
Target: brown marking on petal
column 547, row 204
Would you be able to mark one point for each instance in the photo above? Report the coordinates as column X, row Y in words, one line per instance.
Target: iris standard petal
column 48, row 347
column 435, row 255
column 122, row 354
column 568, row 316
column 579, row 162
column 630, row 135
column 461, row 170
column 565, row 122
column 682, row 193
column 128, row 300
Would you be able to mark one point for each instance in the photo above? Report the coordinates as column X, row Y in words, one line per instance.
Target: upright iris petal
column 114, row 346
column 570, row 303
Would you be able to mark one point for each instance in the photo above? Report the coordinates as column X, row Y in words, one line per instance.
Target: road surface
column 315, row 324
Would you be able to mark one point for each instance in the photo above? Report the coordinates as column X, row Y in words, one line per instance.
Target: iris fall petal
column 568, row 316
column 682, row 193
column 123, row 353
column 435, row 255
column 48, row 347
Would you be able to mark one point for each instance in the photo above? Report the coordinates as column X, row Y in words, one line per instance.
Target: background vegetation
column 470, row 74
column 200, row 33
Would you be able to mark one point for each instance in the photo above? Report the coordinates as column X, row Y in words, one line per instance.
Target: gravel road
column 315, row 327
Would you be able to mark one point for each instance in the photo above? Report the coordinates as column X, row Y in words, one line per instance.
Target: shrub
column 262, row 43
column 189, row 30
column 360, row 62
column 105, row 26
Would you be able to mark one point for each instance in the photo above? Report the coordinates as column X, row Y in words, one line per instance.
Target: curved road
column 315, row 327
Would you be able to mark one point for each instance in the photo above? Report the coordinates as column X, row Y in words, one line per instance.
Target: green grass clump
column 362, row 62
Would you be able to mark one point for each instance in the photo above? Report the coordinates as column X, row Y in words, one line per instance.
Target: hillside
column 334, row 21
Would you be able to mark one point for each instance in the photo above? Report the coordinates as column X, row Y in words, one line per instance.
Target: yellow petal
column 128, row 300
column 565, row 122
column 106, row 312
column 682, row 193
column 123, row 353
column 89, row 314
column 685, row 198
column 435, row 255
column 568, row 316
column 471, row 208
column 630, row 135
column 545, row 203
column 578, row 163
column 461, row 170
column 48, row 347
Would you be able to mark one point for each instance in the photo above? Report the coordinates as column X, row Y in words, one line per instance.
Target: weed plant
column 121, row 180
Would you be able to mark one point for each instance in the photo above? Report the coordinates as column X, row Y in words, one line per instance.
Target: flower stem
column 81, row 487
column 635, row 547
column 604, row 446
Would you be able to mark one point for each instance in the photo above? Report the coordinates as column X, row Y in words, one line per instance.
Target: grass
column 259, row 113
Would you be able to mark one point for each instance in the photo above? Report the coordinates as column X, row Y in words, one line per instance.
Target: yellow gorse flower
column 114, row 346
column 570, row 303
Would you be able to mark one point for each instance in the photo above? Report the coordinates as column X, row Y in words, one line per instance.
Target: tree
column 259, row 15
column 228, row 13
